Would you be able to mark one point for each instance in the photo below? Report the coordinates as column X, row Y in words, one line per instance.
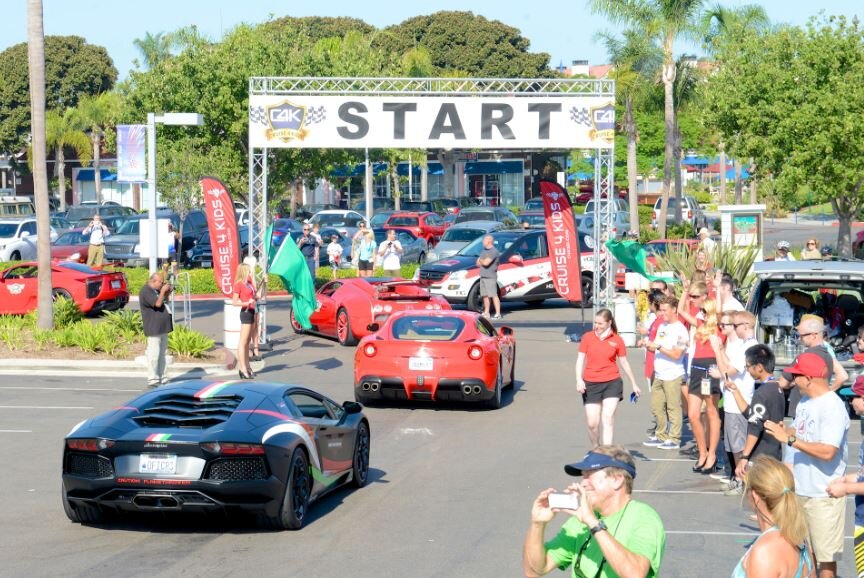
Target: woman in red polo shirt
column 598, row 378
column 245, row 297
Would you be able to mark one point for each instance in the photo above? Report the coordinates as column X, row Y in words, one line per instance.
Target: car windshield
column 461, row 235
column 415, row 206
column 533, row 220
column 534, row 204
column 402, row 221
column 379, row 219
column 70, row 238
column 80, row 267
column 501, row 242
column 286, row 225
column 130, row 227
column 332, row 219
column 82, row 212
column 8, row 229
column 476, row 216
column 427, row 328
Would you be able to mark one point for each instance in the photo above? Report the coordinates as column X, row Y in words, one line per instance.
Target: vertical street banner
column 222, row 224
column 562, row 239
column 131, row 153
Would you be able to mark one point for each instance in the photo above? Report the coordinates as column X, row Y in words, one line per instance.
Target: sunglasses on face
column 692, row 296
column 727, row 324
column 811, row 243
column 739, row 324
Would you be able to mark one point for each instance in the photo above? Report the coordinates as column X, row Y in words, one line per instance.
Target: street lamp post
column 168, row 118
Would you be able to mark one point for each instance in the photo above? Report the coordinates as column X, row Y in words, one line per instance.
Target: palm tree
column 636, row 59
column 154, row 48
column 98, row 113
column 667, row 20
column 66, row 130
column 36, row 62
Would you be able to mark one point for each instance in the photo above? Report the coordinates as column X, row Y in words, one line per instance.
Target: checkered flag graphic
column 580, row 116
column 257, row 115
column 316, row 114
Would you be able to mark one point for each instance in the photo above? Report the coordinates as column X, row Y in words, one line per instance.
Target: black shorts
column 364, row 265
column 698, row 369
column 247, row 316
column 597, row 391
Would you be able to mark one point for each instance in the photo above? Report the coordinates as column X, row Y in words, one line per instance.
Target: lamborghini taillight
column 89, row 444
column 234, row 449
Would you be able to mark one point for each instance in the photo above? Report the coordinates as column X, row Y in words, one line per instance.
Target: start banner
column 431, row 122
column 563, row 240
column 222, row 224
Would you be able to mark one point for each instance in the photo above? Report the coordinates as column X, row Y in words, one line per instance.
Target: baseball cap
column 704, row 231
column 783, row 245
column 596, row 461
column 808, row 364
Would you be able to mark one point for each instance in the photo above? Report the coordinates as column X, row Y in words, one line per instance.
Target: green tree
column 668, row 20
column 467, row 42
column 795, row 100
column 73, row 69
column 36, row 74
column 64, row 130
column 154, row 49
column 99, row 114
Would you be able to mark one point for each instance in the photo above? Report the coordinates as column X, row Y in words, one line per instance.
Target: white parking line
column 45, row 407
column 13, row 387
column 16, row 431
column 699, row 492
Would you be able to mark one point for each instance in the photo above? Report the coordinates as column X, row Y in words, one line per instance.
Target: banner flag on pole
column 563, row 241
column 131, row 153
column 222, row 225
column 632, row 255
column 290, row 265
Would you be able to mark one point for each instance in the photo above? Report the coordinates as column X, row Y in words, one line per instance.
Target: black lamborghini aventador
column 266, row 448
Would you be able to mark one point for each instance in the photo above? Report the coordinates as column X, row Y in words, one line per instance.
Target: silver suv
column 690, row 212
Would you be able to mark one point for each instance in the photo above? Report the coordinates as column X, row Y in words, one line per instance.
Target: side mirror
column 516, row 260
column 25, row 234
column 352, row 407
column 373, row 327
column 505, row 330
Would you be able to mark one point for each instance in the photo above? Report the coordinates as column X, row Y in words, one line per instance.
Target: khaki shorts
column 826, row 520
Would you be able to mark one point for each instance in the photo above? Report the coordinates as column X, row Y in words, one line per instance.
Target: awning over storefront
column 88, row 175
column 493, row 167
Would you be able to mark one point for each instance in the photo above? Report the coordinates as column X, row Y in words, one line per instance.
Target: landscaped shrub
column 187, row 342
column 127, row 322
column 66, row 312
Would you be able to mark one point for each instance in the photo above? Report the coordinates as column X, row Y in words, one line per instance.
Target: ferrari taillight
column 475, row 352
column 234, row 449
column 370, row 350
column 89, row 444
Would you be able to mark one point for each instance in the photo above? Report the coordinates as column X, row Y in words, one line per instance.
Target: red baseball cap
column 810, row 365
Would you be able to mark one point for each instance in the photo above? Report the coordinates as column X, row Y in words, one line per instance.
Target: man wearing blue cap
column 608, row 534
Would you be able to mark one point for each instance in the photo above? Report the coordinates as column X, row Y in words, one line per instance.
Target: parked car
column 690, row 212
column 450, row 218
column 122, row 246
column 620, row 205
column 450, row 205
column 535, row 219
column 427, row 225
column 267, row 448
column 304, row 212
column 378, row 203
column 72, row 245
column 434, row 206
column 379, row 218
column 326, row 237
column 501, row 214
column 79, row 212
column 535, row 204
column 620, row 224
column 415, row 248
column 348, row 307
column 283, row 228
column 91, row 290
column 525, row 273
column 460, row 235
column 345, row 221
column 201, row 254
column 60, row 224
column 113, row 223
column 18, row 238
column 436, row 356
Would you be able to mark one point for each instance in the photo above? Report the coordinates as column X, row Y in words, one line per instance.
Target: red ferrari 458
column 347, row 307
column 437, row 356
column 91, row 290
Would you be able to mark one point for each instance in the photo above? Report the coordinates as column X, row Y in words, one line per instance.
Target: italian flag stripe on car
column 158, row 438
column 212, row 389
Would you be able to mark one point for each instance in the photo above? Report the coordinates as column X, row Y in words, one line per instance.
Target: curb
column 218, row 297
column 110, row 368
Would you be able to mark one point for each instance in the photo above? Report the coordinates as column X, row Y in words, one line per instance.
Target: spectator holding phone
column 97, row 231
column 609, row 532
column 598, row 378
column 390, row 252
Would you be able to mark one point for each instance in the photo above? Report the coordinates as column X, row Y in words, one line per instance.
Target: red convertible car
column 347, row 307
column 92, row 290
column 436, row 356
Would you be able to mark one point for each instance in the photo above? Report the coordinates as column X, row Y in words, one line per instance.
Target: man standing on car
column 158, row 323
column 97, row 231
column 390, row 252
column 488, row 263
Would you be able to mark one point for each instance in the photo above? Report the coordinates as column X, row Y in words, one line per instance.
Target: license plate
column 420, row 363
column 206, row 264
column 115, row 284
column 157, row 464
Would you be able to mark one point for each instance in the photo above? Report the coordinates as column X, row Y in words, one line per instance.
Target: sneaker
column 669, row 445
column 153, row 384
column 498, row 316
column 652, row 442
column 736, row 488
column 721, row 477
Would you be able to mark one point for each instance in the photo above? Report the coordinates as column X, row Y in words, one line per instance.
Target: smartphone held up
column 564, row 501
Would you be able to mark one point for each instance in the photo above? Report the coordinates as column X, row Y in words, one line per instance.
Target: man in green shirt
column 608, row 535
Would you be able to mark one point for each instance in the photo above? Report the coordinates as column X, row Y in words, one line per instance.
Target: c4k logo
column 287, row 122
column 603, row 120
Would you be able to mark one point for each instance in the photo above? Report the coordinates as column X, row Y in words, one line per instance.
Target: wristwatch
column 790, row 441
column 598, row 528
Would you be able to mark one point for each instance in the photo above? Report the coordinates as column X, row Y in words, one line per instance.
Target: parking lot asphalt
column 450, row 487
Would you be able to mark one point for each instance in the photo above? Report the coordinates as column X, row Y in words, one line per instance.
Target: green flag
column 632, row 255
column 290, row 265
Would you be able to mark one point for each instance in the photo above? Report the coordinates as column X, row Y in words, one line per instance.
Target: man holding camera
column 96, row 251
column 390, row 252
column 608, row 529
column 308, row 245
column 158, row 323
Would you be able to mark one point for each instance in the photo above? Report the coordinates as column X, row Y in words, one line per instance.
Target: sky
column 563, row 28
